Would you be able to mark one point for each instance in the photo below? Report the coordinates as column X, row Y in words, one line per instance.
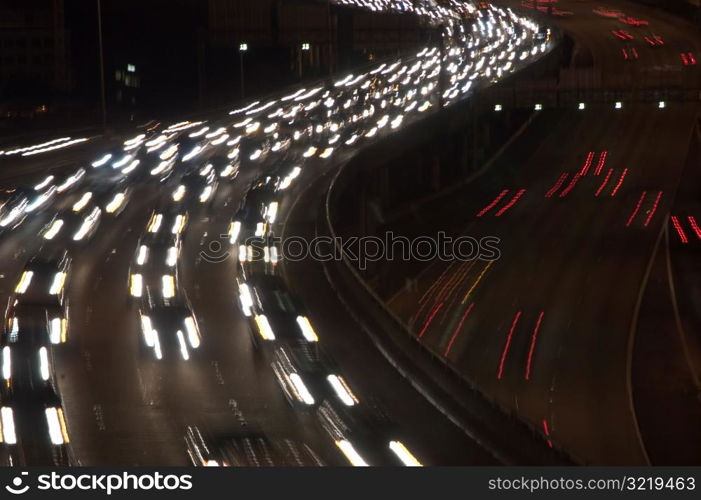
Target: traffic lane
column 16, row 248
column 667, row 356
column 430, row 436
column 594, row 33
column 573, row 132
column 578, row 271
column 110, row 416
column 531, row 277
column 664, row 388
column 533, row 222
column 236, row 378
column 23, row 171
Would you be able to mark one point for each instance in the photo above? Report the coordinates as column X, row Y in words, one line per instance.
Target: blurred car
column 113, row 200
column 12, row 209
column 226, row 168
column 37, row 425
column 43, row 279
column 78, row 224
column 154, row 270
column 41, row 199
column 169, row 331
column 196, row 187
column 26, row 358
column 365, row 435
column 257, row 212
column 172, row 222
column 258, row 256
column 654, row 41
column 41, row 319
column 66, row 181
column 274, row 315
column 307, row 378
column 247, row 449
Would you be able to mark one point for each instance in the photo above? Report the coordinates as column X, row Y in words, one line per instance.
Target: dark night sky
column 159, row 36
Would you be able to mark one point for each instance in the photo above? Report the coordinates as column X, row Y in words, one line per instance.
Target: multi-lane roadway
column 121, row 390
column 579, row 203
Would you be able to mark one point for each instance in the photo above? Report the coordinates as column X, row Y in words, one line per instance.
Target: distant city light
column 619, row 105
column 662, row 105
column 498, row 107
column 243, row 47
column 305, row 46
column 582, row 106
column 131, row 68
column 538, row 107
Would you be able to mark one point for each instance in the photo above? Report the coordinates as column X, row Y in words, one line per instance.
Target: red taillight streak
column 452, row 294
column 694, row 226
column 637, row 209
column 505, row 351
column 602, row 162
column 534, row 337
column 447, row 286
column 462, row 273
column 606, row 181
column 435, row 283
column 587, row 163
column 571, row 185
column 493, row 203
column 654, row 209
column 457, row 329
column 424, row 301
column 625, row 54
column 557, row 185
column 430, row 318
column 510, row 204
column 620, row 182
column 546, row 431
column 680, row 231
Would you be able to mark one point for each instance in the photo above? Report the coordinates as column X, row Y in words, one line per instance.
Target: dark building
column 288, row 40
column 34, row 60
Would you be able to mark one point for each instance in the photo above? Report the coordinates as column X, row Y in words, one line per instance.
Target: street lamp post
column 243, row 47
column 304, row 48
column 102, row 65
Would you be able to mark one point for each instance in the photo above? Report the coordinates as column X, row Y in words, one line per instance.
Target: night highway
column 175, row 287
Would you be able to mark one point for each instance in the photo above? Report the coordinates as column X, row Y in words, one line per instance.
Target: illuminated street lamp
column 243, row 47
